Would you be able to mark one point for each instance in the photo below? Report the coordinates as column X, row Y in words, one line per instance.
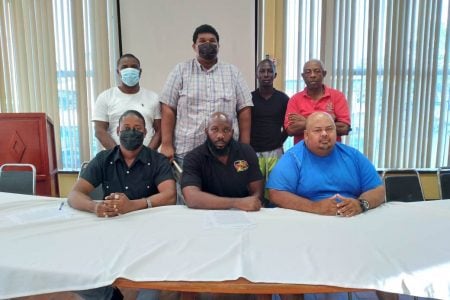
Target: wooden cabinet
column 29, row 138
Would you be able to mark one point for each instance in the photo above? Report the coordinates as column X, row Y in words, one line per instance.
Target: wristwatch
column 365, row 205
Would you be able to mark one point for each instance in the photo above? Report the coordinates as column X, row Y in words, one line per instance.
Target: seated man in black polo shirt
column 222, row 173
column 129, row 171
column 133, row 177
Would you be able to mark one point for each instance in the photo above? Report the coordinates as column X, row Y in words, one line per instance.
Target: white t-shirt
column 112, row 103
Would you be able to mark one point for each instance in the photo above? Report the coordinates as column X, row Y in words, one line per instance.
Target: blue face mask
column 130, row 76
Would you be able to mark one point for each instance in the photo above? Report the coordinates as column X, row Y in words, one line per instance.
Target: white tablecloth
column 398, row 247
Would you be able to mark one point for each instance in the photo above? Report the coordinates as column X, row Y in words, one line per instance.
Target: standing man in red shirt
column 316, row 97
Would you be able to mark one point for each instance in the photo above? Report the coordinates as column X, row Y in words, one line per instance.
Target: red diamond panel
column 16, row 147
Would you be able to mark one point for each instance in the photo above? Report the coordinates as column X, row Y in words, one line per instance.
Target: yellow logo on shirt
column 241, row 165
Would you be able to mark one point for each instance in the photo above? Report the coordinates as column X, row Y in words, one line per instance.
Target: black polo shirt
column 202, row 169
column 108, row 168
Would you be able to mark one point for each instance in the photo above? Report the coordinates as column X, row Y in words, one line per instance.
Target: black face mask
column 218, row 151
column 131, row 139
column 207, row 51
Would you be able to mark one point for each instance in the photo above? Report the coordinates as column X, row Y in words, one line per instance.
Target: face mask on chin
column 131, row 139
column 207, row 51
column 130, row 76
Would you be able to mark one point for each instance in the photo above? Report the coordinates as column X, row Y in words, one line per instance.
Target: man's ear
column 193, row 47
column 118, row 130
column 324, row 73
column 274, row 75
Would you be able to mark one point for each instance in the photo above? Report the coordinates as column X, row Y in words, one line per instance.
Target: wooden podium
column 29, row 138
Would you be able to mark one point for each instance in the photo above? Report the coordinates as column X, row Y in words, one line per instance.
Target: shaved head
column 219, row 116
column 315, row 62
column 312, row 119
column 219, row 134
column 320, row 133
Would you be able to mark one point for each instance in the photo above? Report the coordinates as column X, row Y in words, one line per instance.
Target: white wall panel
column 159, row 33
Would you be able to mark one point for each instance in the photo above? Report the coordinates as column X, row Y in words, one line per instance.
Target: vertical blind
column 84, row 70
column 390, row 58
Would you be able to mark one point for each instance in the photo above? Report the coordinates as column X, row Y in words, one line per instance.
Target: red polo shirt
column 332, row 102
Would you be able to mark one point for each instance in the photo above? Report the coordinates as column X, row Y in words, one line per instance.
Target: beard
column 218, row 151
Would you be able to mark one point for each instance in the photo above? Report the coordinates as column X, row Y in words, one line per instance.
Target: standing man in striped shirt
column 197, row 88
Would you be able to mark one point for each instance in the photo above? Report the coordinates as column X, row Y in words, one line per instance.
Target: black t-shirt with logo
column 202, row 169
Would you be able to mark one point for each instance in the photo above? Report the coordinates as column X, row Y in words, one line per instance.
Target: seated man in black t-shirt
column 222, row 173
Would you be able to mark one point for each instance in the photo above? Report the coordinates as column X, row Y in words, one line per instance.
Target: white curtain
column 390, row 58
column 56, row 57
column 27, row 59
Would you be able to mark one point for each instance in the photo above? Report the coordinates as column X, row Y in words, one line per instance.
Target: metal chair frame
column 21, row 166
column 402, row 173
column 442, row 171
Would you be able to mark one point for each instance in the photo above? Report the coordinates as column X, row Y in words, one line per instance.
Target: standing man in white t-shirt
column 128, row 95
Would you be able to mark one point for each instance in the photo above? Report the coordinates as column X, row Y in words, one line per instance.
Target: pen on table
column 61, row 205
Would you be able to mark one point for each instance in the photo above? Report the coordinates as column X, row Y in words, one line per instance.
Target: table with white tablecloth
column 46, row 246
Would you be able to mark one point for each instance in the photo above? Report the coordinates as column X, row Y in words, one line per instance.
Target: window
column 79, row 76
column 55, row 58
column 391, row 60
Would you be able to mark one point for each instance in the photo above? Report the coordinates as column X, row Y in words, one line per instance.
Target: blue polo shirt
column 344, row 171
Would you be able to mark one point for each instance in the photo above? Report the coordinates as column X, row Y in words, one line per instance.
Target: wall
column 159, row 33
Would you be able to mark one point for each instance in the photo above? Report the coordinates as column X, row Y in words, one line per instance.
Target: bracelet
column 149, row 202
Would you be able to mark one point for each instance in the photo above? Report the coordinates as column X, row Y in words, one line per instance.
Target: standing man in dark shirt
column 222, row 173
column 267, row 133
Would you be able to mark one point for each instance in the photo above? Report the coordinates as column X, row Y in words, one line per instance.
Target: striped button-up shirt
column 196, row 93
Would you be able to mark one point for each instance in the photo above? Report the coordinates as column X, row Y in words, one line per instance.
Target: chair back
column 444, row 182
column 97, row 193
column 403, row 185
column 18, row 178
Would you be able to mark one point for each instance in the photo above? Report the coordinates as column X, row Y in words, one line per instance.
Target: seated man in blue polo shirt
column 133, row 177
column 321, row 176
column 222, row 173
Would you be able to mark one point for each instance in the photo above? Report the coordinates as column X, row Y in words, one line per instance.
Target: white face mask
column 130, row 76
